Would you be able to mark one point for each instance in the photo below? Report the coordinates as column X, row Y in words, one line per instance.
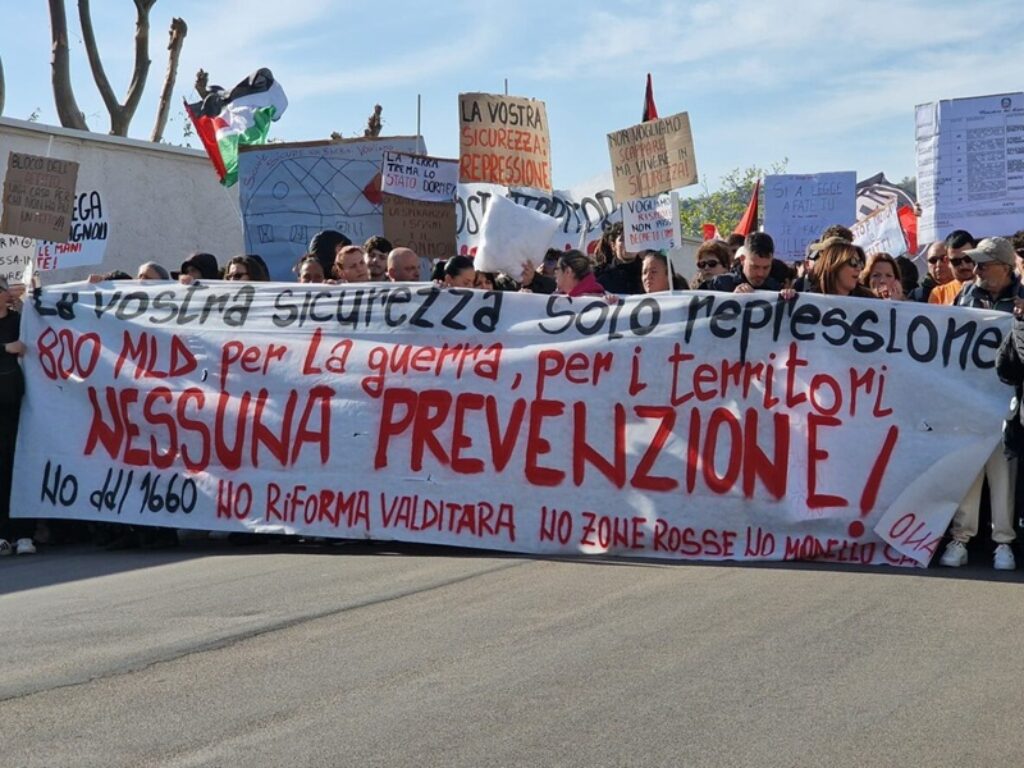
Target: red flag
column 908, row 220
column 748, row 223
column 650, row 111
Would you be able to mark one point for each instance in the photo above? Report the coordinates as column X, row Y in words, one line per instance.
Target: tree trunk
column 63, row 94
column 120, row 114
column 178, row 31
column 2, row 94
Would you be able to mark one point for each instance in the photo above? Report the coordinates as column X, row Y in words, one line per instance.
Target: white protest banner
column 652, row 157
column 289, row 192
column 417, row 177
column 38, row 195
column 581, row 218
column 511, row 234
column 970, row 165
column 881, row 232
column 687, row 426
column 651, row 223
column 15, row 257
column 798, row 207
column 86, row 241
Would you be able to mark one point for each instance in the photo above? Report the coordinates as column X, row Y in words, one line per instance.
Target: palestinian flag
column 224, row 120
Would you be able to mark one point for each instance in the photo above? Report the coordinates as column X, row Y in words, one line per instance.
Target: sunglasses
column 855, row 263
column 707, row 264
column 961, row 260
column 236, row 276
column 936, row 259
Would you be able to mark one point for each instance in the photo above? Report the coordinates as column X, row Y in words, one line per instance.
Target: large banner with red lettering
column 678, row 426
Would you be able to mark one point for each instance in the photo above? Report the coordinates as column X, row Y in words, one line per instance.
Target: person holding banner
column 755, row 267
column 350, row 265
column 12, row 387
column 377, row 249
column 995, row 287
column 403, row 266
column 658, row 276
column 714, row 258
column 309, row 269
column 574, row 276
column 881, row 275
column 838, row 267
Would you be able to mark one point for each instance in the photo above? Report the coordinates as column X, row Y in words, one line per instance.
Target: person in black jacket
column 12, row 387
column 622, row 276
column 754, row 268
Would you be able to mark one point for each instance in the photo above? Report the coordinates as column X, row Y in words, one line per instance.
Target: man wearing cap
column 995, row 287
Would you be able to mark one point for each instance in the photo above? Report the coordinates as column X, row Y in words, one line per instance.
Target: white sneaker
column 1004, row 559
column 955, row 555
column 24, row 547
column 5, row 547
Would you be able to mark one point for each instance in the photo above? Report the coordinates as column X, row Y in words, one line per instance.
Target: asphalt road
column 401, row 656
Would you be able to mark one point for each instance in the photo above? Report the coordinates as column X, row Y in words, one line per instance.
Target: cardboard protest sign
column 686, row 427
column 511, row 234
column 970, row 165
column 38, row 196
column 418, row 177
column 427, row 228
column 85, row 242
column 289, row 192
column 581, row 217
column 651, row 223
column 798, row 207
column 15, row 257
column 652, row 157
column 881, row 232
column 504, row 140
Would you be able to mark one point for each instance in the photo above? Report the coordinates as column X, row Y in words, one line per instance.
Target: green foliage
column 726, row 205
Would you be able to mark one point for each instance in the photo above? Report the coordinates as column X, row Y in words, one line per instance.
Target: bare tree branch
column 60, row 63
column 2, row 87
column 120, row 114
column 178, row 31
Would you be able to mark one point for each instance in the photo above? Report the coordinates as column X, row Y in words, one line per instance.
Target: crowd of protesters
column 961, row 271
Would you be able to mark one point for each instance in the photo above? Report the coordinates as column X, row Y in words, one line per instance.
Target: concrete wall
column 160, row 202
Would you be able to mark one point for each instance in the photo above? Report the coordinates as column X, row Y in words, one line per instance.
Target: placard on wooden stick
column 39, row 193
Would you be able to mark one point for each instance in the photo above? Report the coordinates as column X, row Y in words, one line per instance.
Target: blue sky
column 829, row 85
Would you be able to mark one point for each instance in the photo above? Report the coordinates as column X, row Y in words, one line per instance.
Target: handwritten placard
column 651, row 223
column 38, row 196
column 418, row 177
column 881, row 232
column 504, row 140
column 798, row 208
column 652, row 157
column 427, row 228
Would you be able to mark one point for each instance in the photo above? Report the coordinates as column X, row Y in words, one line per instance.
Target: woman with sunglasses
column 713, row 259
column 247, row 268
column 838, row 269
